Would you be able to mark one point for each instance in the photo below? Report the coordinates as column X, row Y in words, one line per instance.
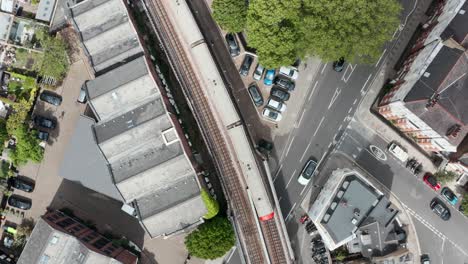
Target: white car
column 307, row 172
column 289, row 72
column 258, row 73
column 276, row 105
column 272, row 115
column 398, row 151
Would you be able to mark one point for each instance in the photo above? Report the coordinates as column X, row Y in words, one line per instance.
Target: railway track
column 211, row 133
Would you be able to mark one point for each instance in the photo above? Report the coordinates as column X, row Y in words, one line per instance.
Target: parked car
column 307, row 172
column 51, row 98
column 44, row 122
column 425, row 259
column 440, row 209
column 279, row 93
column 398, row 151
column 82, row 97
column 276, row 105
column 258, row 73
column 265, row 147
column 269, row 76
column 21, row 184
column 232, row 44
column 272, row 115
column 449, row 195
column 255, row 95
column 338, row 65
column 289, row 72
column 246, row 64
column 42, row 135
column 285, row 83
column 431, row 181
column 19, row 202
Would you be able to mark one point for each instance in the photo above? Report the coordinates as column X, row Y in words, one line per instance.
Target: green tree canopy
column 211, row 205
column 212, row 239
column 445, row 176
column 55, row 60
column 272, row 30
column 354, row 29
column 230, row 14
column 27, row 147
column 3, row 132
column 19, row 116
column 464, row 204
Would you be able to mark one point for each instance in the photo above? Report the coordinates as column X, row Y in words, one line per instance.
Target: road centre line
column 290, row 211
column 278, row 171
column 313, row 90
column 300, row 119
column 316, row 130
column 305, row 151
column 292, row 176
column 290, row 144
column 323, row 69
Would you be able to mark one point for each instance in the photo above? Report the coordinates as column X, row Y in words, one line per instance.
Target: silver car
column 258, row 73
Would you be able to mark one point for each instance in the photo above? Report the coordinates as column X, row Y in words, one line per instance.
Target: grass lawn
column 21, row 85
column 28, row 60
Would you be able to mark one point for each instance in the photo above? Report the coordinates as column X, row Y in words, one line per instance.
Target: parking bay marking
column 335, row 96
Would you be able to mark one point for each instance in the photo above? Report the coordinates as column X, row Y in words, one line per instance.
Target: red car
column 430, row 180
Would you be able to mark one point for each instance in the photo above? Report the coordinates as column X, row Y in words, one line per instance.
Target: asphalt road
column 447, row 244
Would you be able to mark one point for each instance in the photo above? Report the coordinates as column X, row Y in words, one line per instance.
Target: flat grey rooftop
column 356, row 202
column 5, row 23
column 45, row 10
column 84, row 163
column 458, row 27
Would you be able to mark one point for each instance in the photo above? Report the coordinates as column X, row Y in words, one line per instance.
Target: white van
column 398, row 151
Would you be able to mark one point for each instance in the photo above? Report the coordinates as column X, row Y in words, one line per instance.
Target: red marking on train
column 267, row 217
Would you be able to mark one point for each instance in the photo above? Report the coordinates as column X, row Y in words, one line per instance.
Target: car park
column 255, row 95
column 51, row 98
column 42, row 135
column 44, row 122
column 21, row 184
column 82, row 97
column 246, row 64
column 440, row 209
column 19, row 202
column 449, row 195
column 276, row 105
column 269, row 76
column 272, row 115
column 307, row 172
column 258, row 73
column 285, row 83
column 232, row 44
column 398, row 151
column 431, row 181
column 279, row 93
column 289, row 72
column 338, row 65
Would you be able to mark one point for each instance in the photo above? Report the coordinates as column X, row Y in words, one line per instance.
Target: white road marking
column 344, row 78
column 277, row 172
column 355, row 101
column 292, row 176
column 313, row 90
column 303, row 189
column 318, row 127
column 290, row 211
column 350, row 109
column 381, row 56
column 300, row 119
column 335, row 96
column 279, row 200
column 290, row 144
column 363, row 91
column 305, row 151
column 329, row 145
column 323, row 69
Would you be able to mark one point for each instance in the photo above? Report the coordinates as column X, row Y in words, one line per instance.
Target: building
column 430, row 92
column 132, row 149
column 45, row 10
column 349, row 207
column 60, row 239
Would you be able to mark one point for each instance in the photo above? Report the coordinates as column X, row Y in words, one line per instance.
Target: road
column 443, row 240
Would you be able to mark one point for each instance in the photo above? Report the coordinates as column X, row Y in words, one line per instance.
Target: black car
column 285, row 83
column 42, row 135
column 246, row 64
column 232, row 45
column 338, row 65
column 51, row 98
column 255, row 95
column 44, row 122
column 425, row 259
column 21, row 184
column 281, row 94
column 440, row 209
column 19, row 202
column 265, row 146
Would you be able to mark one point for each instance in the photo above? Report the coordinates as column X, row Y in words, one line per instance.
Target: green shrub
column 211, row 205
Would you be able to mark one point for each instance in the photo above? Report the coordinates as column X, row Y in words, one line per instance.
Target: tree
column 464, row 204
column 212, row 239
column 19, row 115
column 27, row 147
column 272, row 30
column 353, row 29
column 445, row 176
column 230, row 14
column 3, row 132
column 55, row 60
column 211, row 205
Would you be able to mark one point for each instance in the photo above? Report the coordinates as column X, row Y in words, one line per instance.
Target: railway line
column 255, row 251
